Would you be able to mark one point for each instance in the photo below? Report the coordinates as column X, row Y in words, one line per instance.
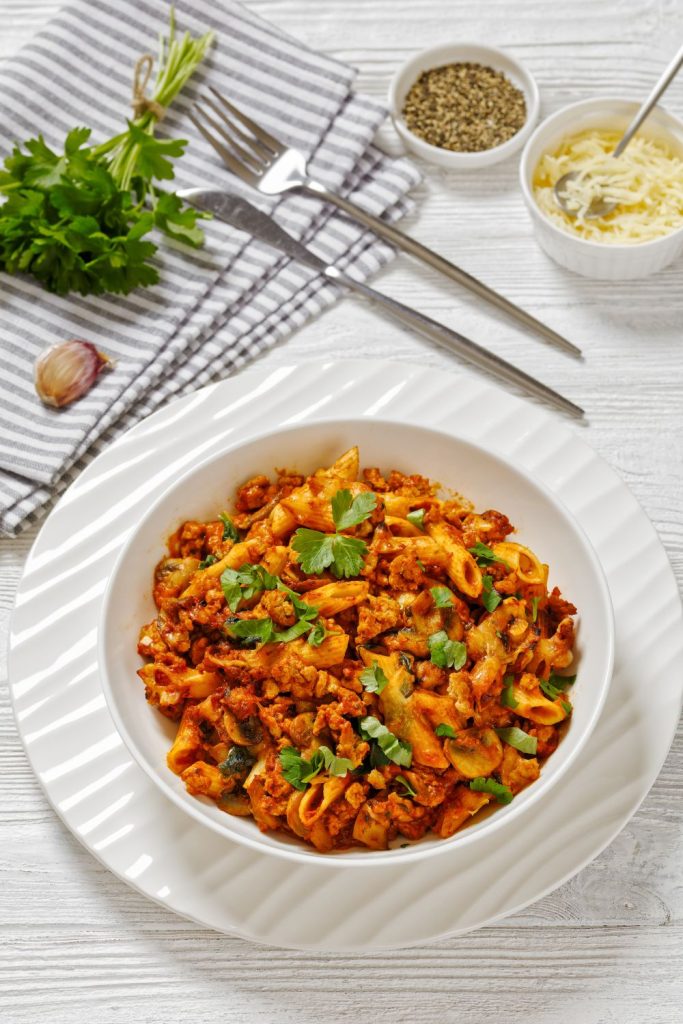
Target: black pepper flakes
column 464, row 107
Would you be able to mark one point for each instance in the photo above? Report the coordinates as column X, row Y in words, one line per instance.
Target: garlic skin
column 65, row 371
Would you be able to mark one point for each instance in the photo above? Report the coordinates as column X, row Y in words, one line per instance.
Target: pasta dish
column 354, row 659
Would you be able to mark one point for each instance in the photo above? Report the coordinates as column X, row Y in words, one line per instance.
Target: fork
column 266, row 164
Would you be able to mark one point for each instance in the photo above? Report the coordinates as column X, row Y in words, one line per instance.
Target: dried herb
column 464, row 107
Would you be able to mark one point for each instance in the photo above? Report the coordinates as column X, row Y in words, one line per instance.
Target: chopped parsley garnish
column 567, row 707
column 507, row 698
column 534, row 608
column 244, row 583
column 348, row 512
column 391, row 746
column 406, row 785
column 518, row 739
column 317, row 635
column 556, row 685
column 446, row 653
column 443, row 729
column 299, row 772
column 502, row 793
column 490, row 597
column 342, row 555
column 485, row 555
column 442, row 596
column 373, row 678
column 417, row 518
column 206, row 562
column 229, row 528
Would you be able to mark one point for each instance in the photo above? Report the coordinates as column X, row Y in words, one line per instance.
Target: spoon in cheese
column 599, row 204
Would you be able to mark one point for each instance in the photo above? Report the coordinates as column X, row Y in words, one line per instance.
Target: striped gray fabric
column 217, row 308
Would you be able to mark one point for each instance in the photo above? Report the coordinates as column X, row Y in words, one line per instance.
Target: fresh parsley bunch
column 76, row 219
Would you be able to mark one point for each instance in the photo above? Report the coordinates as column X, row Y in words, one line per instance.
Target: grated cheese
column 646, row 181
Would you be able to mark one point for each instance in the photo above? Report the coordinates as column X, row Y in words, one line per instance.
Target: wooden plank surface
column 76, row 944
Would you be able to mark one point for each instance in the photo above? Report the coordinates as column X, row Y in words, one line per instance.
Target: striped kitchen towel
column 216, row 308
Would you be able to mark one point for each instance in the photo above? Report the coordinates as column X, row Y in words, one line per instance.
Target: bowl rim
column 360, row 858
column 495, row 53
column 525, row 173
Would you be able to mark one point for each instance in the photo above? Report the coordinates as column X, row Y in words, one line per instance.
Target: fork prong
column 273, row 144
column 226, row 156
column 247, row 152
column 252, row 143
column 251, row 162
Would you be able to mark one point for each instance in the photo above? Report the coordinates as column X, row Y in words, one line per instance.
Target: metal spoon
column 600, row 206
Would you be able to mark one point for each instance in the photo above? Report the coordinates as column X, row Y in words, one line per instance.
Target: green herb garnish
column 299, row 772
column 443, row 598
column 373, row 678
column 229, row 528
column 391, row 746
column 342, row 555
column 534, row 608
column 518, row 739
column 446, row 653
column 417, row 518
column 76, row 219
column 244, row 583
column 556, row 685
column 443, row 729
column 502, row 793
column 507, row 698
column 206, row 562
column 485, row 555
column 406, row 785
column 490, row 597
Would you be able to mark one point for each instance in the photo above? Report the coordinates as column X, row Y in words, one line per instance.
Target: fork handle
column 433, row 259
column 455, row 342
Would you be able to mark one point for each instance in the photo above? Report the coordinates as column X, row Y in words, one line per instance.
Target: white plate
column 118, row 814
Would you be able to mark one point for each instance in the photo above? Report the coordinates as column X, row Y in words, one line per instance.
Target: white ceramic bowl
column 451, row 53
column 491, row 482
column 604, row 262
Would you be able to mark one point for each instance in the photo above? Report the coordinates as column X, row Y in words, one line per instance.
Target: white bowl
column 487, row 479
column 451, row 53
column 605, row 262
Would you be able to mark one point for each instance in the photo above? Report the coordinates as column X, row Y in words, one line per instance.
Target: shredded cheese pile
column 646, row 182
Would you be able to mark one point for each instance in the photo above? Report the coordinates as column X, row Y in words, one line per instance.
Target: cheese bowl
column 600, row 261
column 487, row 479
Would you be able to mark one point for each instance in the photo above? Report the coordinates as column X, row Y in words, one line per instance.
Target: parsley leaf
column 518, row 739
column 317, row 635
column 485, row 555
column 319, row 551
column 299, row 772
column 556, row 685
column 373, row 678
column 534, row 608
column 348, row 512
column 417, row 518
column 252, row 629
column 206, row 562
column 446, row 653
column 567, row 707
column 502, row 793
column 244, row 583
column 443, row 729
column 394, row 749
column 229, row 528
column 443, row 598
column 406, row 785
column 507, row 698
column 490, row 597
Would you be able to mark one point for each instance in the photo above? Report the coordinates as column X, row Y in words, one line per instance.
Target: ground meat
column 405, row 572
column 279, row 608
column 489, row 527
column 517, row 771
column 255, row 493
column 380, row 614
column 558, row 607
column 431, row 675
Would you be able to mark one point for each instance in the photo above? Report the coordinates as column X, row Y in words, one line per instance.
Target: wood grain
column 77, row 945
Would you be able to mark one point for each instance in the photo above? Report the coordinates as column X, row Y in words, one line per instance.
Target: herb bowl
column 450, row 53
column 488, row 479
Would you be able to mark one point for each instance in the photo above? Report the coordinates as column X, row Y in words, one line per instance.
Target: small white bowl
column 455, row 53
column 602, row 261
column 486, row 478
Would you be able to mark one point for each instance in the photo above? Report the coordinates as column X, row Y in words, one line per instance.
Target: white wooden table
column 76, row 944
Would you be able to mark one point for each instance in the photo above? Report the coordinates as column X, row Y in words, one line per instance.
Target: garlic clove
column 64, row 372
